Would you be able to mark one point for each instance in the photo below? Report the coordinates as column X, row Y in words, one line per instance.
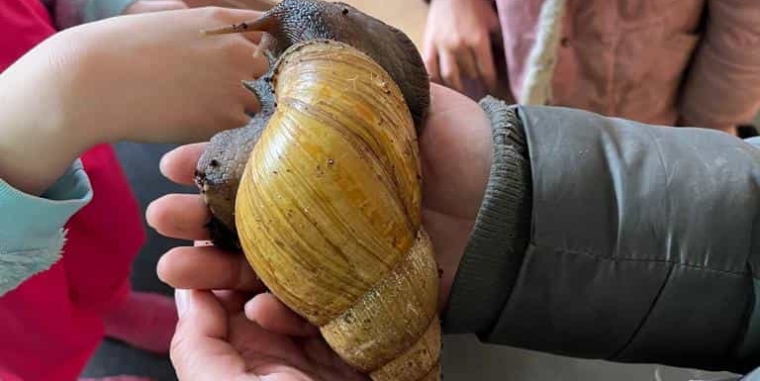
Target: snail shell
column 328, row 212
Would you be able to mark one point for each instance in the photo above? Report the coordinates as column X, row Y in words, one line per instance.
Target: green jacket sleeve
column 640, row 243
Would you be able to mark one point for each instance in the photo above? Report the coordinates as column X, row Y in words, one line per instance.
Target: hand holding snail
column 455, row 151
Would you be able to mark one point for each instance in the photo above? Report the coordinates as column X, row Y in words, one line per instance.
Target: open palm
column 215, row 340
column 455, row 148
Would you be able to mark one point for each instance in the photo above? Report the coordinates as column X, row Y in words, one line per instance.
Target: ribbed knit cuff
column 492, row 258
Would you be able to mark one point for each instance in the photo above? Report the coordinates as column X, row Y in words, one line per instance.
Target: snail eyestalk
column 266, row 23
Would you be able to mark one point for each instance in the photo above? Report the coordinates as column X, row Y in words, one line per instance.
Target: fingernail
column 162, row 165
column 181, row 298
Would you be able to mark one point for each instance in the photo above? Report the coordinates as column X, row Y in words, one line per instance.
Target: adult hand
column 215, row 340
column 273, row 343
column 457, row 42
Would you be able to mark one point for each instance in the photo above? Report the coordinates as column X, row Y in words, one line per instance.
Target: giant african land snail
column 323, row 186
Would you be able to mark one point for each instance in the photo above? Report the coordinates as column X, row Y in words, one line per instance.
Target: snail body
column 328, row 211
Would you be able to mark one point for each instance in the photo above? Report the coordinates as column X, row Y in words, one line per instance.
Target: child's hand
column 154, row 77
column 458, row 42
column 145, row 6
column 149, row 77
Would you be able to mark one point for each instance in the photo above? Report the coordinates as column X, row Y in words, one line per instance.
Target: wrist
column 41, row 136
column 496, row 244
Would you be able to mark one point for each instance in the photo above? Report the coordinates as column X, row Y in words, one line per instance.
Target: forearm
column 639, row 241
column 40, row 139
column 488, row 270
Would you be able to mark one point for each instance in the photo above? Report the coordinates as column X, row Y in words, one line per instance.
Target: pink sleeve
column 722, row 89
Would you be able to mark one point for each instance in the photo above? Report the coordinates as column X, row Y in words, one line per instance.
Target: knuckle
column 449, row 74
column 177, row 345
column 478, row 39
column 158, row 216
column 453, row 42
column 215, row 13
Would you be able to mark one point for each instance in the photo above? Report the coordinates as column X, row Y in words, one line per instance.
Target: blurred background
column 464, row 358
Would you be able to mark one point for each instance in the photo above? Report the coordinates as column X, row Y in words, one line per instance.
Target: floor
column 464, row 358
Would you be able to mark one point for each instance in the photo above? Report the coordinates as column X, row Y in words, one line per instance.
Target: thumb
column 200, row 350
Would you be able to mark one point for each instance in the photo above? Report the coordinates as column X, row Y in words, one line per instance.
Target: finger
column 450, row 71
column 232, row 301
column 431, row 63
column 207, row 268
column 269, row 313
column 199, row 350
column 485, row 64
column 181, row 216
column 466, row 61
column 179, row 164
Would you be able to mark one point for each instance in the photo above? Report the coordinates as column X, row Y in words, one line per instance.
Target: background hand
column 457, row 42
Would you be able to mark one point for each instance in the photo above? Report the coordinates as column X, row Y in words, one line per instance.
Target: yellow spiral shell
column 328, row 212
